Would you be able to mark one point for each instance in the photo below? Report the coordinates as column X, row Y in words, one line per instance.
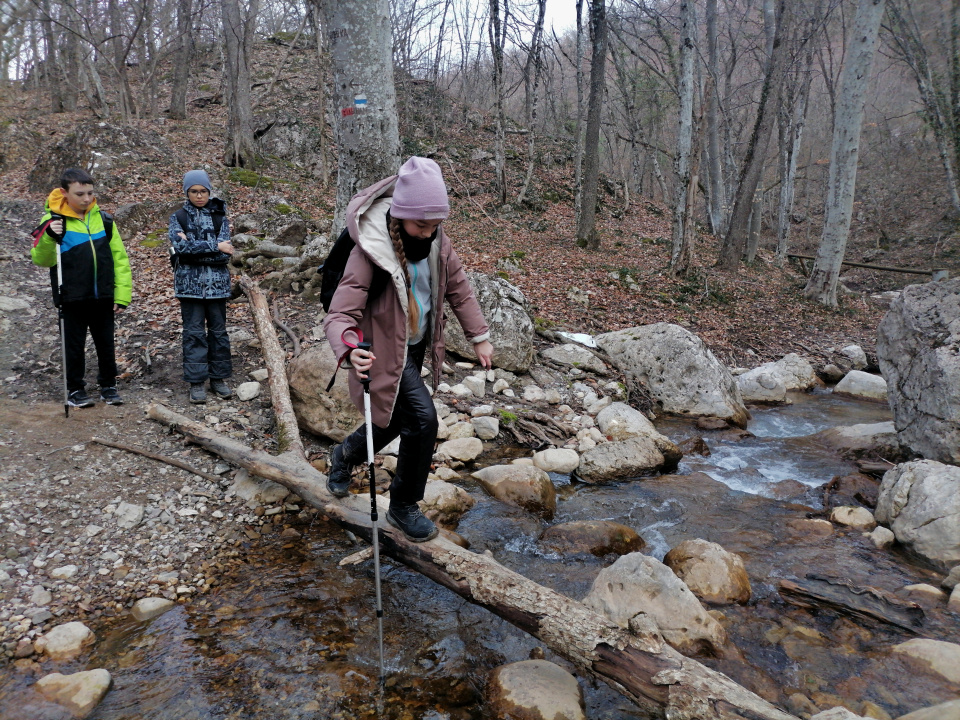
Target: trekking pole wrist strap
column 351, row 346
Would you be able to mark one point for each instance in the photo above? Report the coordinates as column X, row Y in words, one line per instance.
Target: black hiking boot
column 411, row 522
column 198, row 395
column 110, row 396
column 220, row 388
column 339, row 477
column 80, row 399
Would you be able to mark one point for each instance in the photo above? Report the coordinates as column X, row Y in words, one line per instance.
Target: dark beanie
column 196, row 177
column 420, row 192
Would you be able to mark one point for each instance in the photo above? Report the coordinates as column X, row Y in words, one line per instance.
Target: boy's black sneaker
column 80, row 399
column 198, row 395
column 412, row 523
column 340, row 475
column 110, row 396
column 221, row 389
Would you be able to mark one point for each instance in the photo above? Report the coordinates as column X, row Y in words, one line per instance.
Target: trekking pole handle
column 365, row 345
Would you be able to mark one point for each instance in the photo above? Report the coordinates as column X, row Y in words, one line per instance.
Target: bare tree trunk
column 578, row 125
column 237, row 34
column 52, row 73
column 182, row 60
column 822, row 283
column 941, row 113
column 313, row 12
column 734, row 242
column 791, row 137
column 497, row 33
column 364, row 97
column 120, row 44
column 680, row 254
column 532, row 79
column 717, row 201
column 755, row 225
column 587, row 235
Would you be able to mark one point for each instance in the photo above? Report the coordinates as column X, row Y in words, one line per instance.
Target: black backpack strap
column 183, row 217
column 107, row 224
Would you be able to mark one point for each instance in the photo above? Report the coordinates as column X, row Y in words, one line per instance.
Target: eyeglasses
column 204, row 191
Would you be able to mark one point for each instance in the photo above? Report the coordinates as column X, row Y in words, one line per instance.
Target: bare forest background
column 741, row 124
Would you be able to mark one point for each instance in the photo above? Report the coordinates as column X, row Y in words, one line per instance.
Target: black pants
column 415, row 421
column 97, row 317
column 206, row 345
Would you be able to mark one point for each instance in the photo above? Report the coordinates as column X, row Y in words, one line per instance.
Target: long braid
column 413, row 315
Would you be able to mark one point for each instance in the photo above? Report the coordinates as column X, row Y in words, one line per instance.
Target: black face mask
column 416, row 249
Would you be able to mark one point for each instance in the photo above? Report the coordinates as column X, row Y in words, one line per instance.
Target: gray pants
column 206, row 345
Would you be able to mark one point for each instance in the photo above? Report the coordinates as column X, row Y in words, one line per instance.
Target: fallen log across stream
column 641, row 666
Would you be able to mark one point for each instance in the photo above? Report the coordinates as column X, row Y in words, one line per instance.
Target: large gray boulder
column 678, row 369
column 511, row 327
column 637, row 584
column 920, row 502
column 917, row 344
column 331, row 414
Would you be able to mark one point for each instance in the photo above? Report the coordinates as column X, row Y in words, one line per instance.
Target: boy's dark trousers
column 206, row 345
column 415, row 421
column 97, row 317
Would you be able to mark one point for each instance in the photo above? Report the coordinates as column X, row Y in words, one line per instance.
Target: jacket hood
column 57, row 203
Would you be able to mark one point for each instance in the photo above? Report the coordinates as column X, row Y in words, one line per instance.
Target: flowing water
column 290, row 634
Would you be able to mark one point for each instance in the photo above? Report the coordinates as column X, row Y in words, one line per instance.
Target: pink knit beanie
column 420, row 193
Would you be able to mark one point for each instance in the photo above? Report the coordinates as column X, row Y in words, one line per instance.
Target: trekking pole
column 373, row 507
column 63, row 339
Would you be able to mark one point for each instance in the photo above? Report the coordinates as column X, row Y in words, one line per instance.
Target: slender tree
column 497, row 34
column 238, row 38
column 735, row 240
column 682, row 251
column 587, row 235
column 822, row 283
column 182, row 60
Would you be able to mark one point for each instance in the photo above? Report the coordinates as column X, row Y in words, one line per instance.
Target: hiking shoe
column 339, row 477
column 412, row 523
column 80, row 399
column 110, row 396
column 198, row 395
column 221, row 389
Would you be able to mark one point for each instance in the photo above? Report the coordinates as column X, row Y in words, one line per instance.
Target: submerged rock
column 534, row 690
column 597, row 537
column 79, row 693
column 941, row 657
column 861, row 440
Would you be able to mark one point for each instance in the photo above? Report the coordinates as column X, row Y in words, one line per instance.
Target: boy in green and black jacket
column 96, row 280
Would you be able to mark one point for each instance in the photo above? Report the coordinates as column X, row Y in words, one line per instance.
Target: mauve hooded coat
column 384, row 322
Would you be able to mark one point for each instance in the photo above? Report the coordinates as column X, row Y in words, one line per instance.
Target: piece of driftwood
column 868, row 603
column 286, row 329
column 640, row 666
column 159, row 458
